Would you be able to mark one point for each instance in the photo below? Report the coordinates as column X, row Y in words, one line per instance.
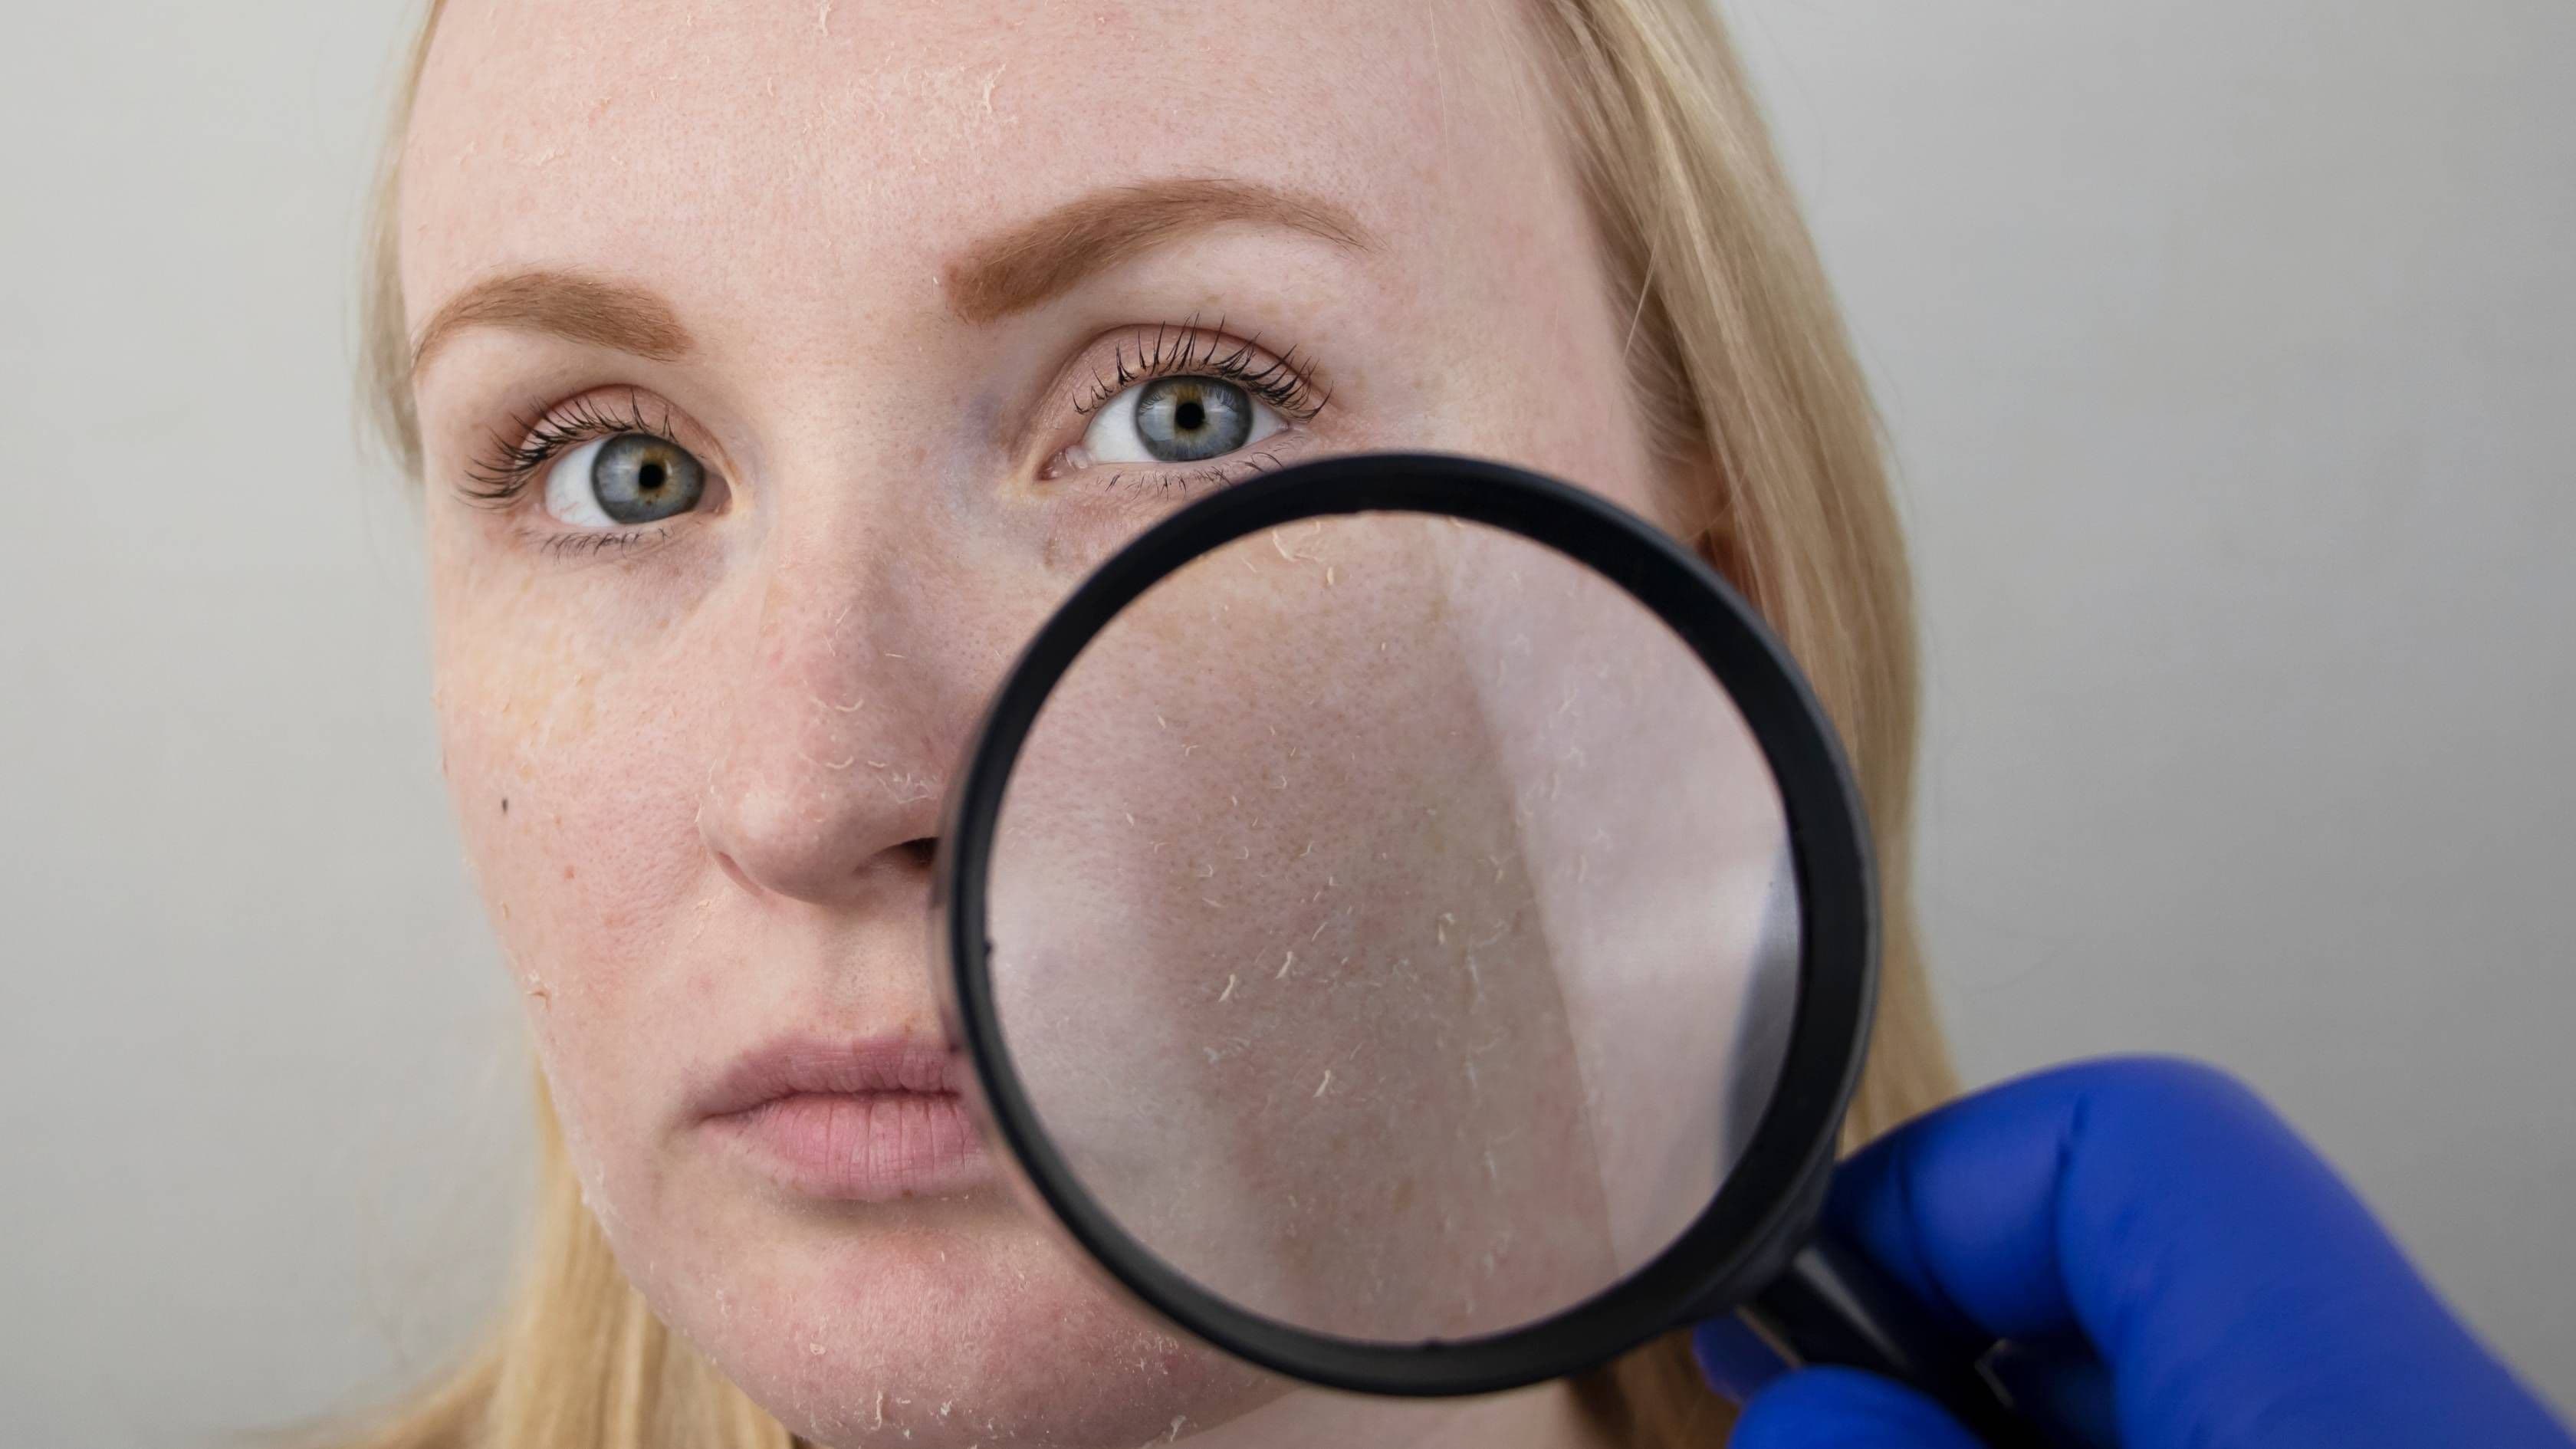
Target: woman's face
column 782, row 366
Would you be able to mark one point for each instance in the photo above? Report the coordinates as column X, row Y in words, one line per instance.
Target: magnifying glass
column 1413, row 927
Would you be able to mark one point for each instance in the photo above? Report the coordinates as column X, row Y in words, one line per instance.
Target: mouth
column 874, row 1120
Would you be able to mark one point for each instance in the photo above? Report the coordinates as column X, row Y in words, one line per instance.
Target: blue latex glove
column 2238, row 1295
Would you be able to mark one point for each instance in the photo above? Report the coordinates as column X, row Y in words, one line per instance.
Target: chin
column 934, row 1325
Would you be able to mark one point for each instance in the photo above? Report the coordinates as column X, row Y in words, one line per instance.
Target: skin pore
column 871, row 288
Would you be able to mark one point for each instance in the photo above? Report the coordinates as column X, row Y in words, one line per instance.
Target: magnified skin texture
column 698, row 762
column 1285, row 1021
column 1371, row 909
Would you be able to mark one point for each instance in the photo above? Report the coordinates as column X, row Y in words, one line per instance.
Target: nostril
column 739, row 875
column 919, row 852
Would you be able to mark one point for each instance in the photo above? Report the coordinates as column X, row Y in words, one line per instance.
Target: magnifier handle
column 1832, row 1305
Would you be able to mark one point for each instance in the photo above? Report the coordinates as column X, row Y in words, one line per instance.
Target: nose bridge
column 839, row 733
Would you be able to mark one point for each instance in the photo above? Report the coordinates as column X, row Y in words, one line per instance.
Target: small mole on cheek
column 505, row 804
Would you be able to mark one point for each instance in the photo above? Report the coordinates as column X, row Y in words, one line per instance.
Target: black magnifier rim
column 1736, row 1238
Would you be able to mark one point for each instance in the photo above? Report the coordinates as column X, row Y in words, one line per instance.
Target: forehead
column 841, row 148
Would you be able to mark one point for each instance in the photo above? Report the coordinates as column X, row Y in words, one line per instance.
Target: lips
column 855, row 1121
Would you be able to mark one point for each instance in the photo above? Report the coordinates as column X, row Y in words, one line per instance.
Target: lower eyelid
column 1232, row 468
column 585, row 545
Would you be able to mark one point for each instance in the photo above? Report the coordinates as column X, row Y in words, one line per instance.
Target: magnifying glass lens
column 1392, row 927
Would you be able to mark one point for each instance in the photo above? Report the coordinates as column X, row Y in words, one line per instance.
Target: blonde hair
column 1740, row 350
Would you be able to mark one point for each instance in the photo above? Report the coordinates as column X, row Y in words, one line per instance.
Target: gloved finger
column 2218, row 1265
column 1735, row 1360
column 1837, row 1408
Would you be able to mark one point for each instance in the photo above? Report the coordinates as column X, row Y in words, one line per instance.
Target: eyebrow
column 1041, row 259
column 1032, row 263
column 587, row 309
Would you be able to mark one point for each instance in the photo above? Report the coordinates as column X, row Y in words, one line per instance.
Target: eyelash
column 1189, row 350
column 592, row 542
column 1205, row 475
column 504, row 470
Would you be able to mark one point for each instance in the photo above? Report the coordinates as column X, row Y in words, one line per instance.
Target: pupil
column 1190, row 416
column 649, row 477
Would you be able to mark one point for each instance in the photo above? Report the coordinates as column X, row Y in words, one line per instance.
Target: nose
column 828, row 780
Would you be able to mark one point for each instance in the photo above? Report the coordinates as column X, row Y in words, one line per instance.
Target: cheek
column 572, row 765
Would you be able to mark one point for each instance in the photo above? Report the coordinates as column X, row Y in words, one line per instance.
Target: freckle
column 505, row 804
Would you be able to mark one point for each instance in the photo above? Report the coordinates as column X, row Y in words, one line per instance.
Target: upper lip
column 791, row 1065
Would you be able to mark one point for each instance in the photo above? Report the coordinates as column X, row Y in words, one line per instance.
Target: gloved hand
column 2237, row 1295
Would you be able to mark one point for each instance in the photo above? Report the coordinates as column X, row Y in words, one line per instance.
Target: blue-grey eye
column 1177, row 420
column 625, row 478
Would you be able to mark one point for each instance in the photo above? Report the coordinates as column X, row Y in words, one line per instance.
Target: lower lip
column 862, row 1147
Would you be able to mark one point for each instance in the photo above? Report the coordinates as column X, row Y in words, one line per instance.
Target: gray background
column 2225, row 348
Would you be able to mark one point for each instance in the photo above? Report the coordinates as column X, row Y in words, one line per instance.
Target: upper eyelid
column 510, row 458
column 1187, row 348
